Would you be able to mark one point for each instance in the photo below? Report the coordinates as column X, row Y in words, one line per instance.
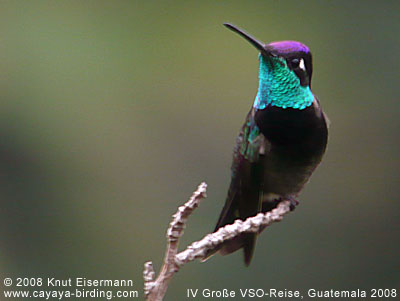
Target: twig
column 155, row 289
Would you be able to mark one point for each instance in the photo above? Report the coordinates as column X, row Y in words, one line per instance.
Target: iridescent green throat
column 280, row 87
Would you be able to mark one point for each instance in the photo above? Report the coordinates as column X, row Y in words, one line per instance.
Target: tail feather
column 228, row 216
column 243, row 200
column 247, row 241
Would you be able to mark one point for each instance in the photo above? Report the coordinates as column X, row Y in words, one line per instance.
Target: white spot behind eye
column 301, row 65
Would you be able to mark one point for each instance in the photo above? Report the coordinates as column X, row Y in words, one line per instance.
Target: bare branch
column 155, row 290
column 148, row 275
column 198, row 249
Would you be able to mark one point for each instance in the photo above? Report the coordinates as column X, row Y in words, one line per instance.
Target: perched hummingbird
column 281, row 142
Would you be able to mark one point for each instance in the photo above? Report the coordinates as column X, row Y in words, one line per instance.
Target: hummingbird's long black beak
column 260, row 46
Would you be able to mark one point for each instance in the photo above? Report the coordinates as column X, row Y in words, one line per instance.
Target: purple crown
column 289, row 46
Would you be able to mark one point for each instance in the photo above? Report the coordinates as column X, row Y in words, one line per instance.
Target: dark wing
column 245, row 191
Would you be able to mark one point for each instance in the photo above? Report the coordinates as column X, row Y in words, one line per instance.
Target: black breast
column 299, row 134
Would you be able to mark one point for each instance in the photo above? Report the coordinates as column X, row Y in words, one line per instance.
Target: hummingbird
column 281, row 142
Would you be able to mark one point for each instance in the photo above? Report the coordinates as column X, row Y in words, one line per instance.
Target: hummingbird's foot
column 293, row 203
column 270, row 205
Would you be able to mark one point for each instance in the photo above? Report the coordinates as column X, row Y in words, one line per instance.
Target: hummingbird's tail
column 247, row 241
column 243, row 200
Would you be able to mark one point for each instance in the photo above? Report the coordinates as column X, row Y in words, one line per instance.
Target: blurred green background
column 112, row 112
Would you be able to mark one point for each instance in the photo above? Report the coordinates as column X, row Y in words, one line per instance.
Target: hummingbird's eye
column 295, row 63
column 298, row 63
